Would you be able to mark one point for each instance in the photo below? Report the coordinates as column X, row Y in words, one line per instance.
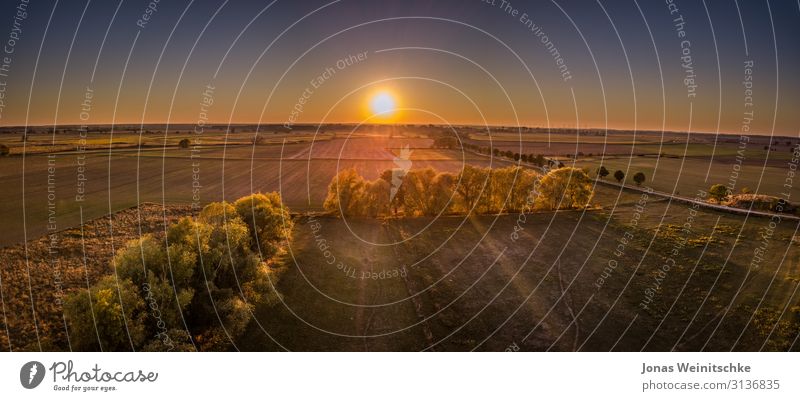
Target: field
column 469, row 286
column 687, row 176
column 623, row 276
column 116, row 179
column 723, row 148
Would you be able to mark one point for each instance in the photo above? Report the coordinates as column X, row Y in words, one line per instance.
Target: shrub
column 603, row 172
column 4, row 150
column 718, row 192
column 184, row 143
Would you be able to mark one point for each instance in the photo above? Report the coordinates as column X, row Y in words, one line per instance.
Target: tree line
column 195, row 288
column 449, row 142
column 474, row 190
column 619, row 175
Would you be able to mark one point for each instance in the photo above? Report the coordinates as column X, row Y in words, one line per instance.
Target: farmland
column 623, row 275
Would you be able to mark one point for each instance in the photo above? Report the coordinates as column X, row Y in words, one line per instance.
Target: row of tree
column 195, row 288
column 449, row 142
column 619, row 175
column 427, row 192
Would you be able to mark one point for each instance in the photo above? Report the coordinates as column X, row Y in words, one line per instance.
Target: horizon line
column 282, row 125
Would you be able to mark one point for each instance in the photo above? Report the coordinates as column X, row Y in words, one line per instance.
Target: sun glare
column 383, row 105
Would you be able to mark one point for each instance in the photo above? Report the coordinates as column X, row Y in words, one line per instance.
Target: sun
column 383, row 105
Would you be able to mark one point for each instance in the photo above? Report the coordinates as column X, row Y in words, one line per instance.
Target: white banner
column 399, row 376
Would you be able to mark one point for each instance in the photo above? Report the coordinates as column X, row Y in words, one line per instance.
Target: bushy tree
column 225, row 244
column 186, row 239
column 417, row 184
column 184, row 143
column 203, row 276
column 373, row 199
column 565, row 188
column 513, row 187
column 133, row 261
column 108, row 316
column 472, row 182
column 144, row 262
column 267, row 219
column 343, row 192
column 502, row 188
column 441, row 194
column 603, row 172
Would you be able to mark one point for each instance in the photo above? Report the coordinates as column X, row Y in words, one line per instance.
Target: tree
column 343, row 192
column 418, row 184
column 718, row 192
column 267, row 220
column 225, row 246
column 565, row 188
column 511, row 188
column 109, row 316
column 184, row 143
column 619, row 176
column 603, row 172
column 471, row 183
column 373, row 200
column 439, row 194
column 746, row 190
column 639, row 178
column 4, row 150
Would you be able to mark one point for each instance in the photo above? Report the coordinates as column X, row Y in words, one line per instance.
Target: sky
column 711, row 66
